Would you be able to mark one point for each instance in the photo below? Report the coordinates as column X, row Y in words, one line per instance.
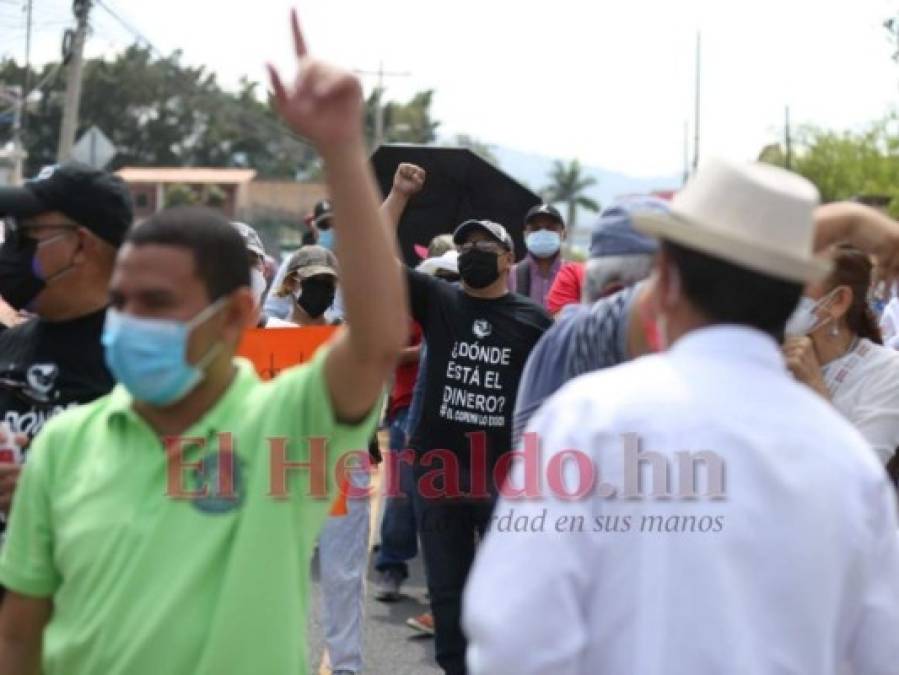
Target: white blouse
column 864, row 387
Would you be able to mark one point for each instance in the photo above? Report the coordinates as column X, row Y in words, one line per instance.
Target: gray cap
column 250, row 237
column 311, row 261
column 494, row 230
column 614, row 233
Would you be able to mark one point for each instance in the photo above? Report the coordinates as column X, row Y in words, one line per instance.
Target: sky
column 609, row 83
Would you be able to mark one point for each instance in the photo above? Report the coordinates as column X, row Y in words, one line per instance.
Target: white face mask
column 257, row 285
column 804, row 319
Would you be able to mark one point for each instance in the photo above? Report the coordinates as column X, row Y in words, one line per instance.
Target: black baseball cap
column 544, row 210
column 96, row 200
column 494, row 230
column 321, row 213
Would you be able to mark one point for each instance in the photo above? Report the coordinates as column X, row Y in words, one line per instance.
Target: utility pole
column 686, row 152
column 26, row 87
column 81, row 9
column 697, row 110
column 788, row 142
column 380, row 73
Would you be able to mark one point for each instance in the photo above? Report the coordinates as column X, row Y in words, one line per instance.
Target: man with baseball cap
column 62, row 231
column 310, row 281
column 318, row 234
column 544, row 232
column 607, row 329
column 619, row 256
column 479, row 336
column 767, row 539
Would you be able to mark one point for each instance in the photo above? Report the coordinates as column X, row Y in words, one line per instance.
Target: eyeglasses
column 483, row 245
column 17, row 234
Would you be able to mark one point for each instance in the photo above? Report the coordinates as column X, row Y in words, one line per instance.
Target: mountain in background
column 533, row 171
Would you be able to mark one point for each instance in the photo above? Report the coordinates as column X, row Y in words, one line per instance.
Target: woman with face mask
column 834, row 346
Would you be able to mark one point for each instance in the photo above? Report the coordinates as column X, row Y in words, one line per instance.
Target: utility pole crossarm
column 380, row 73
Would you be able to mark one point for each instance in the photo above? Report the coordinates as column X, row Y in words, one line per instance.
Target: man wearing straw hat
column 704, row 514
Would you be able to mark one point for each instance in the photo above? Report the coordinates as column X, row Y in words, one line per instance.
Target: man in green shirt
column 168, row 527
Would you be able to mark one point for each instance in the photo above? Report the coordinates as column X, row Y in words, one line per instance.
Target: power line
column 130, row 28
column 233, row 107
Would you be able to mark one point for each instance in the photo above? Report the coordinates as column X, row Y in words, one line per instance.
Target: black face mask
column 19, row 284
column 316, row 296
column 478, row 269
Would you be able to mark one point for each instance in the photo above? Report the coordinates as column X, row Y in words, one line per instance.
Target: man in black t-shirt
column 62, row 231
column 479, row 337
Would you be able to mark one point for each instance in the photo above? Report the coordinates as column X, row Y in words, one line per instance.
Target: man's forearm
column 834, row 223
column 856, row 224
column 392, row 210
column 373, row 289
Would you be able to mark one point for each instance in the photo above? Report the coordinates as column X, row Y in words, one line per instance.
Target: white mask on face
column 257, row 285
column 804, row 319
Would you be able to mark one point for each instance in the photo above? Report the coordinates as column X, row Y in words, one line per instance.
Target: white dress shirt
column 864, row 386
column 797, row 575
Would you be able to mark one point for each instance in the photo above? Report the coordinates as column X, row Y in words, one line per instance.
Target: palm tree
column 568, row 184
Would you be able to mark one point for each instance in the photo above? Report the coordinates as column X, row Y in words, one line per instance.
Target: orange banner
column 275, row 349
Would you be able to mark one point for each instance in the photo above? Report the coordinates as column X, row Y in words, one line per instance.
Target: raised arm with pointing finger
column 324, row 104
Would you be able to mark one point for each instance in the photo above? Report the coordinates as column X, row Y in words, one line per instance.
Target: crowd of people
column 678, row 456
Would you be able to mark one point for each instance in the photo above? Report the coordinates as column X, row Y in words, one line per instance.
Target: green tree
column 180, row 194
column 847, row 164
column 408, row 122
column 216, row 197
column 160, row 112
column 568, row 185
column 773, row 154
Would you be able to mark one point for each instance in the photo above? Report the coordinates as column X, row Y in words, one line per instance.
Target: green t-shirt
column 144, row 584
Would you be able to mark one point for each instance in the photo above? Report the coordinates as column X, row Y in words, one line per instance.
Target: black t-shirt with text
column 46, row 367
column 477, row 349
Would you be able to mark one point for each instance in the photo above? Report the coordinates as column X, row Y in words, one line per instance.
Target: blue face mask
column 149, row 356
column 326, row 239
column 543, row 243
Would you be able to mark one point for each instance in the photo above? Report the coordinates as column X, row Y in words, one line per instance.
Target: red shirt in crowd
column 566, row 289
column 404, row 378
